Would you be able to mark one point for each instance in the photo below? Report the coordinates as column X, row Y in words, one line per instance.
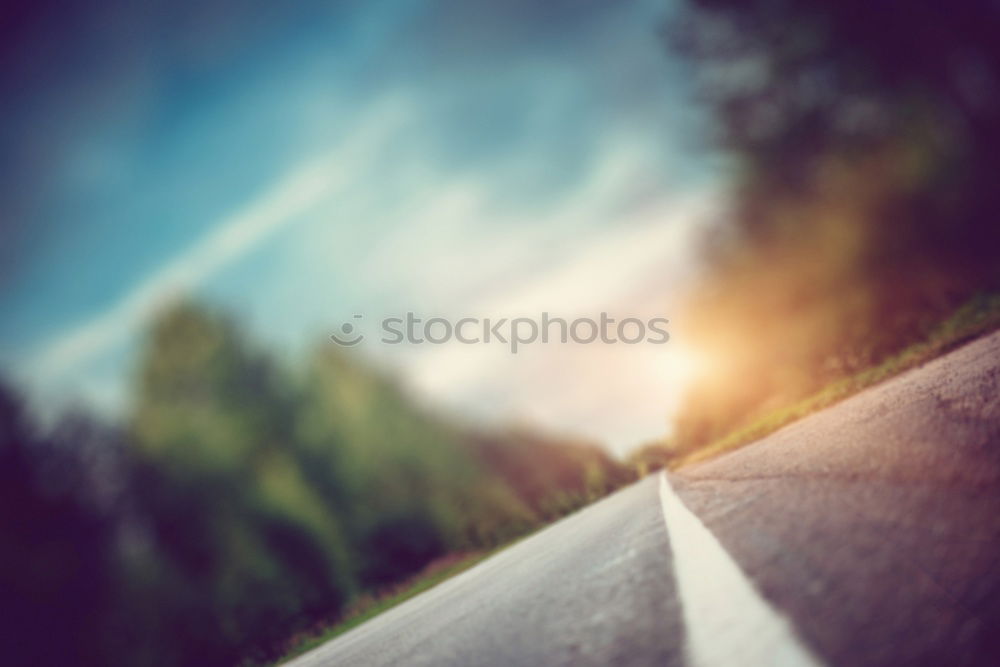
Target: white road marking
column 726, row 620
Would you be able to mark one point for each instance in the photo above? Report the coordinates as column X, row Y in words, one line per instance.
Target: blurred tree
column 796, row 81
column 405, row 471
column 866, row 148
column 245, row 547
column 243, row 504
column 551, row 476
column 56, row 587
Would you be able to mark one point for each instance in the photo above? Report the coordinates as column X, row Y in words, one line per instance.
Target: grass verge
column 369, row 605
column 978, row 316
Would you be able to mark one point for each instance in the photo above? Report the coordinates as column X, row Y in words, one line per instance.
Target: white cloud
column 453, row 245
column 619, row 394
column 230, row 239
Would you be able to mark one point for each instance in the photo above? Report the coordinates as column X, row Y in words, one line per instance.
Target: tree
column 58, row 559
column 246, row 549
column 864, row 209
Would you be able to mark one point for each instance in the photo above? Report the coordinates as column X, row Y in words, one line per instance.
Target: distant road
column 866, row 534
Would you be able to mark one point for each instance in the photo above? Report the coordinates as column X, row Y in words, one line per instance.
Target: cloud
column 462, row 247
column 620, row 394
column 232, row 238
column 473, row 225
column 613, row 271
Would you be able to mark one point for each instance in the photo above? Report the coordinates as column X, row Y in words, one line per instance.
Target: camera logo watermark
column 513, row 332
column 348, row 336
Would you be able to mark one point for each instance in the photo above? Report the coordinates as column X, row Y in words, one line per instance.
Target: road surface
column 866, row 534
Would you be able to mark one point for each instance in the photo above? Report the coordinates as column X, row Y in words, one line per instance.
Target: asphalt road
column 866, row 534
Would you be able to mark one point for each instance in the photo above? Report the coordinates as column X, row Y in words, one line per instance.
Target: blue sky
column 297, row 166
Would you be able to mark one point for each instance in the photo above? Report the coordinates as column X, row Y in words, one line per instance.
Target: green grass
column 367, row 606
column 978, row 316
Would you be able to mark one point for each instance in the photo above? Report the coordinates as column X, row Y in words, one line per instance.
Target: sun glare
column 686, row 365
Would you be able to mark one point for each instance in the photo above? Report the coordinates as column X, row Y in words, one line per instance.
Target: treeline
column 865, row 150
column 243, row 501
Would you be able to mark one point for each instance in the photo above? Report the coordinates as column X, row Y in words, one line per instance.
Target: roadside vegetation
column 246, row 501
column 980, row 315
column 371, row 604
column 862, row 223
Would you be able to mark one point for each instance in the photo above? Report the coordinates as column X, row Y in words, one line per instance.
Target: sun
column 686, row 364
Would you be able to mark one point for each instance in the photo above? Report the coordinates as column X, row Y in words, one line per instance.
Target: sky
column 301, row 163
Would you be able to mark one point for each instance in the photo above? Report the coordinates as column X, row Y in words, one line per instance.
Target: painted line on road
column 726, row 620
